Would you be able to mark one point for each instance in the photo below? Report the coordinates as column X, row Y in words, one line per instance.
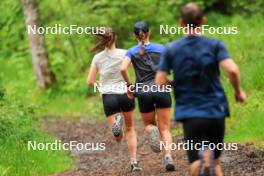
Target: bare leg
column 148, row 120
column 218, row 168
column 164, row 127
column 195, row 168
column 152, row 130
column 196, row 164
column 131, row 135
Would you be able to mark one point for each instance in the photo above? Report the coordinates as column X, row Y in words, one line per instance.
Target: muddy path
column 246, row 161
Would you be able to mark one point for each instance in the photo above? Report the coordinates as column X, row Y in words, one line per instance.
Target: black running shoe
column 207, row 163
column 168, row 161
column 154, row 139
column 135, row 167
column 117, row 127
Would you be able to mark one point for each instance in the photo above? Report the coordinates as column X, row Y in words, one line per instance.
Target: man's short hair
column 192, row 15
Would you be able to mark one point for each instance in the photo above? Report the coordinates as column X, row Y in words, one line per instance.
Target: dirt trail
column 115, row 161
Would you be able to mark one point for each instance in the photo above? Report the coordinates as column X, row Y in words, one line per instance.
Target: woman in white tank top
column 117, row 106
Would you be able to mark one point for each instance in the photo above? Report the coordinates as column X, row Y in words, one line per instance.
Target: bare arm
column 161, row 78
column 123, row 69
column 91, row 76
column 234, row 76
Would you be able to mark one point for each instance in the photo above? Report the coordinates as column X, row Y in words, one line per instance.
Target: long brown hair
column 104, row 40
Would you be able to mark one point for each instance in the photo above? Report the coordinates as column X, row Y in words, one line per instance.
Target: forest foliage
column 22, row 103
column 69, row 54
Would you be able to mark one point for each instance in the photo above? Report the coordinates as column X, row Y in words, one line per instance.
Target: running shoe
column 154, row 139
column 207, row 163
column 168, row 161
column 135, row 167
column 117, row 127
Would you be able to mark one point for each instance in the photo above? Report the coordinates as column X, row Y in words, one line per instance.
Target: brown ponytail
column 142, row 37
column 141, row 31
column 104, row 40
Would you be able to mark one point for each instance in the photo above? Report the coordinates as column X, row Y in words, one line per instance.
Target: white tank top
column 107, row 63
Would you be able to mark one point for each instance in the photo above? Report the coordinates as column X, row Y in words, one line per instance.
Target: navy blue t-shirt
column 145, row 65
column 194, row 61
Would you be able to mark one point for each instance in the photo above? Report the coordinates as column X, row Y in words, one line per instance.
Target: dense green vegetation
column 17, row 127
column 22, row 104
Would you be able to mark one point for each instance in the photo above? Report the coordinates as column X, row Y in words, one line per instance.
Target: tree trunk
column 40, row 61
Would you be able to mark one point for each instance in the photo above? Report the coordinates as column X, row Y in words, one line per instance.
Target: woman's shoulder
column 98, row 55
column 120, row 50
column 156, row 47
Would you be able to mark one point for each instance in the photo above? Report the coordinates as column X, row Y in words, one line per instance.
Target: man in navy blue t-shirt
column 201, row 103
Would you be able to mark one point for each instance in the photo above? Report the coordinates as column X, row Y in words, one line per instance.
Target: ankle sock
column 168, row 155
column 133, row 160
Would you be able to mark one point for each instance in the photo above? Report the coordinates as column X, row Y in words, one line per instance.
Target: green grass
column 18, row 125
column 246, row 50
column 177, row 132
column 17, row 160
column 248, row 130
column 73, row 106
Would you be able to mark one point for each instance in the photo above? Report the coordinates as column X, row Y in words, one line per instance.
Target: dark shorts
column 115, row 103
column 149, row 101
column 199, row 130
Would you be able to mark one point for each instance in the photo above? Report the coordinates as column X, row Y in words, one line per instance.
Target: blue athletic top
column 145, row 65
column 194, row 61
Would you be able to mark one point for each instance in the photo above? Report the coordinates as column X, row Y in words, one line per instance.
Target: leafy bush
column 1, row 91
column 227, row 7
column 17, row 127
column 69, row 55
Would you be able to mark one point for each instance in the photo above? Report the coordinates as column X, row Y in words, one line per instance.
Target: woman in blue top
column 152, row 100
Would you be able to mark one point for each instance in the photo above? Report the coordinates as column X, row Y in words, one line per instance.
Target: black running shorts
column 149, row 101
column 115, row 103
column 199, row 130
